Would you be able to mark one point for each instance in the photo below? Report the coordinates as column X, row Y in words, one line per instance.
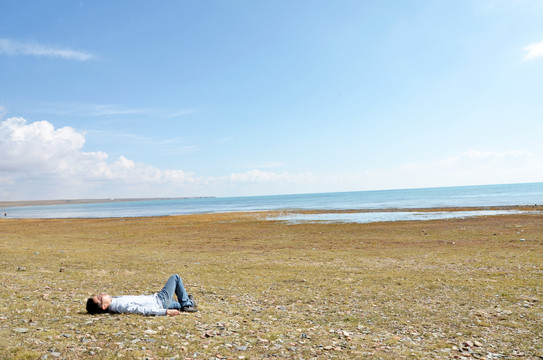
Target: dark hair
column 94, row 308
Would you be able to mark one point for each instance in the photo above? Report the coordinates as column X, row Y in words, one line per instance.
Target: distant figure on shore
column 160, row 303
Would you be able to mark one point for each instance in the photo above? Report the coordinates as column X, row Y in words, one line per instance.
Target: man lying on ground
column 160, row 303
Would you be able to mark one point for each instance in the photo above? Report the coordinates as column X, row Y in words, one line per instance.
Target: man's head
column 98, row 304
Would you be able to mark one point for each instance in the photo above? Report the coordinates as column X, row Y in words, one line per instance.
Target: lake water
column 462, row 196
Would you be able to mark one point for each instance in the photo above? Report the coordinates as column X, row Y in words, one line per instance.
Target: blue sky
column 229, row 98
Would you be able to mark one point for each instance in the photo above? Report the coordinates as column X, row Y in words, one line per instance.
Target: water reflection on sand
column 367, row 217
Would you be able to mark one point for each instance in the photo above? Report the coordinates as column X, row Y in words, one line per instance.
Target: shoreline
column 23, row 203
column 521, row 209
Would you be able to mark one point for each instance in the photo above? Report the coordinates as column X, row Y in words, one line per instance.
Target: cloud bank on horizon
column 39, row 159
column 41, row 162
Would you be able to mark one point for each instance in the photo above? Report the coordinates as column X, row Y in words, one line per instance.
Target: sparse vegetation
column 435, row 289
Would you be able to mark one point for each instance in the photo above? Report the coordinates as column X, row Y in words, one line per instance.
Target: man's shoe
column 189, row 309
column 191, row 298
column 193, row 308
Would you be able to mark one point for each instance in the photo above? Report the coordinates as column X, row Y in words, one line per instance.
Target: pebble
column 21, row 330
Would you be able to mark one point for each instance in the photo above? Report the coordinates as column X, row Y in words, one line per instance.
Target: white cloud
column 468, row 168
column 534, row 51
column 39, row 159
column 41, row 162
column 85, row 110
column 75, row 109
column 12, row 47
column 37, row 146
column 476, row 162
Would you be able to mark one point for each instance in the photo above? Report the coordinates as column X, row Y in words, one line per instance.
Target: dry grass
column 434, row 289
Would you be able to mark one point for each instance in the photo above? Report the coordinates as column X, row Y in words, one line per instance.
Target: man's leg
column 174, row 285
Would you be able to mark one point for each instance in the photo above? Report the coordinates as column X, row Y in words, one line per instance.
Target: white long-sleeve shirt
column 137, row 304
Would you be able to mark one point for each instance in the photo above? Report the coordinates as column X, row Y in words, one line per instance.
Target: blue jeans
column 174, row 285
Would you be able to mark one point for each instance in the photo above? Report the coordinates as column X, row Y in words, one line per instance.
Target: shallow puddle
column 368, row 217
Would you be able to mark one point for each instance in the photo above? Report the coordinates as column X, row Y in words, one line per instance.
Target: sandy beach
column 441, row 289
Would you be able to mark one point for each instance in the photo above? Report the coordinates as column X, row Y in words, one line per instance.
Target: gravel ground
column 444, row 289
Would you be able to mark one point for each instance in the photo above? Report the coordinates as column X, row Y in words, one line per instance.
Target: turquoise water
column 488, row 195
